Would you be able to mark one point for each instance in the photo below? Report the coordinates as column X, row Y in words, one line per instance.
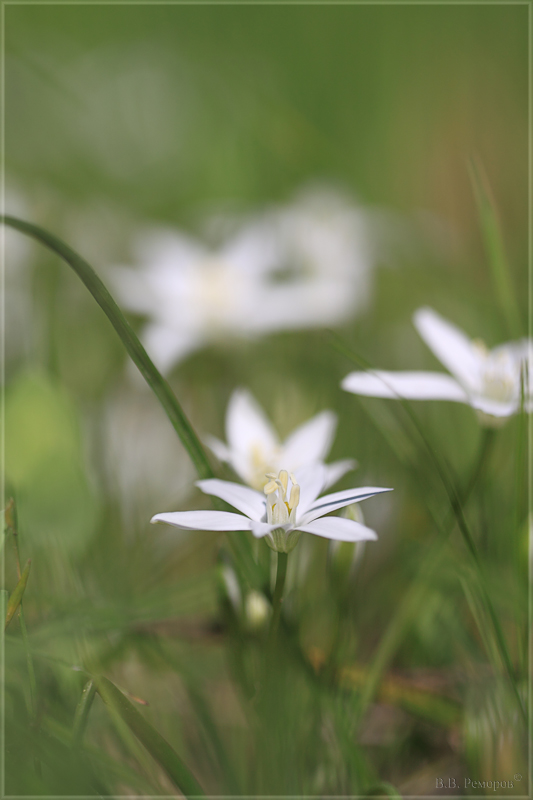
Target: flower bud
column 256, row 610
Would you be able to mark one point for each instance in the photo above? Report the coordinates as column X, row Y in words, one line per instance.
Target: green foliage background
column 124, row 115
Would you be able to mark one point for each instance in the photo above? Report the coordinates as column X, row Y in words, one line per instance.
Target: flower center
column 281, row 511
column 499, row 374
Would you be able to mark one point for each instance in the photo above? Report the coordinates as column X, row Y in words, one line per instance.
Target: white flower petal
column 260, row 529
column 310, row 442
column 247, row 427
column 405, row 385
column 205, row 520
column 311, row 480
column 343, row 530
column 335, row 471
column 495, row 408
column 221, row 450
column 451, row 346
column 247, row 500
column 332, row 502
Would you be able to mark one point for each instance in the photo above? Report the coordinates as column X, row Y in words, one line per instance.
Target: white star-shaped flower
column 254, row 449
column 288, row 506
column 491, row 381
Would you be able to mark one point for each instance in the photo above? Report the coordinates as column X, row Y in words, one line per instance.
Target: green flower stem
column 240, row 546
column 281, row 574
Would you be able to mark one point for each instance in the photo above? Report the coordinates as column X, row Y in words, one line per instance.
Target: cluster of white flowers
column 306, row 264
column 303, row 265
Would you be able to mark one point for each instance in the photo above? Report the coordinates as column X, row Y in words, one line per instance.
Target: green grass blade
column 383, row 790
column 241, row 546
column 138, row 354
column 456, row 502
column 82, row 713
column 493, row 240
column 17, row 594
column 156, row 745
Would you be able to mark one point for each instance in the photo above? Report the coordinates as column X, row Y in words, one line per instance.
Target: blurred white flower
column 253, row 447
column 144, row 466
column 194, row 295
column 292, row 505
column 302, row 265
column 326, row 245
column 491, row 381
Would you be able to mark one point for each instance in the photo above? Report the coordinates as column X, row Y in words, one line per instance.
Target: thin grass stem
column 161, row 388
column 457, row 508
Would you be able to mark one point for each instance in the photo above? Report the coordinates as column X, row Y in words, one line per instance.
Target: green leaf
column 156, row 745
column 16, row 596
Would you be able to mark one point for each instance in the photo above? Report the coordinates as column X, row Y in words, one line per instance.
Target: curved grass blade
column 131, row 342
column 82, row 713
column 240, row 545
column 17, row 594
column 156, row 745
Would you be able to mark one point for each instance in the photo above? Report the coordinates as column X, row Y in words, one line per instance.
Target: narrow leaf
column 493, row 241
column 156, row 745
column 241, row 546
column 82, row 713
column 16, row 596
column 130, row 340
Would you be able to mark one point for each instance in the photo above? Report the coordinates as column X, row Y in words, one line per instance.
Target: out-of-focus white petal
column 133, row 290
column 254, row 250
column 451, row 346
column 166, row 248
column 166, row 346
column 343, row 530
column 310, row 442
column 405, row 385
column 335, row 471
column 495, row 408
column 332, row 502
column 247, row 500
column 247, row 427
column 221, row 450
column 205, row 520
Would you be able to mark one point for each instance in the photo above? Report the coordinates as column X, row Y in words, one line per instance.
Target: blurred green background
column 119, row 117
